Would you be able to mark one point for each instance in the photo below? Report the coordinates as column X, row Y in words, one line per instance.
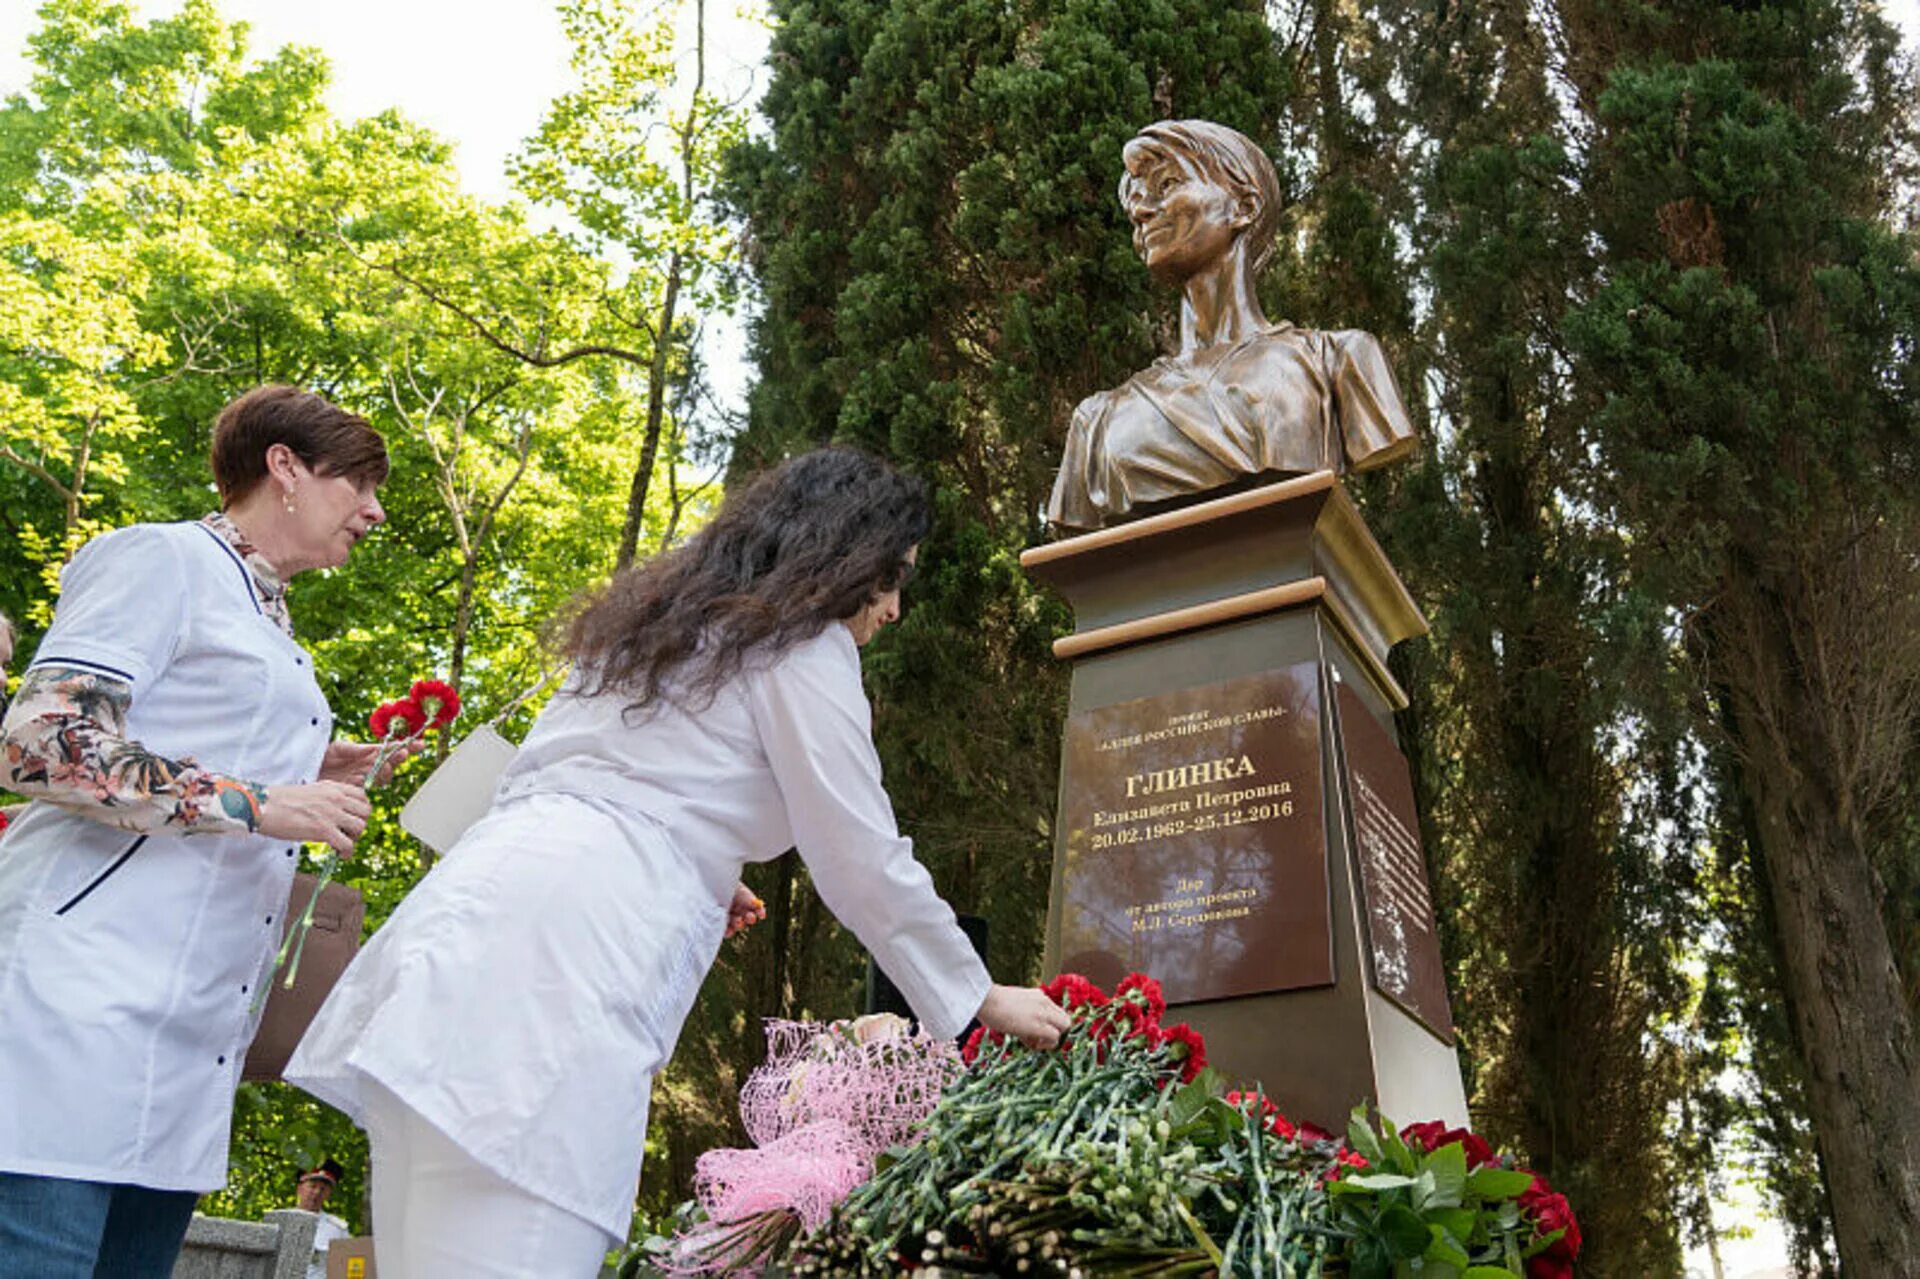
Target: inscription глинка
column 1194, row 847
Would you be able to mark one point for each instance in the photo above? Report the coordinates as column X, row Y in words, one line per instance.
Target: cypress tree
column 946, row 271
column 1542, row 718
column 1752, row 391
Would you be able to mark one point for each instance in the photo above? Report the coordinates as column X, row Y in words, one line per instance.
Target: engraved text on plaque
column 1195, row 844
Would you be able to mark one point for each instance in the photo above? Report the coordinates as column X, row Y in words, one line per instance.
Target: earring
column 286, row 499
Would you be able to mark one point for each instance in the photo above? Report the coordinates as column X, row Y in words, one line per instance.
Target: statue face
column 1184, row 219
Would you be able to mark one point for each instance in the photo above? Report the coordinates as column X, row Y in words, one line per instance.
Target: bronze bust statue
column 1244, row 399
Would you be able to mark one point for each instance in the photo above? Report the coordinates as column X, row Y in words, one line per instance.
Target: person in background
column 499, row 1035
column 316, row 1185
column 6, row 658
column 178, row 752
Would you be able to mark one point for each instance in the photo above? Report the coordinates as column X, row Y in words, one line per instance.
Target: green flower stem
column 294, row 944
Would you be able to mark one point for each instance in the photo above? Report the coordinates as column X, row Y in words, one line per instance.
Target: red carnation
column 980, row 1039
column 1310, row 1131
column 1344, row 1158
column 1188, row 1048
column 1277, row 1124
column 438, row 698
column 1549, row 1211
column 1149, row 990
column 1432, row 1135
column 1071, row 990
column 5, row 821
column 1135, row 1019
column 412, row 719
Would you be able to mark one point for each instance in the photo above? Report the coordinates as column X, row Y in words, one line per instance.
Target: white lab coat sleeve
column 121, row 609
column 816, row 727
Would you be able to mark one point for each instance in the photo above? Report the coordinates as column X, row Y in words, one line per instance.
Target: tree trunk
column 462, row 623
column 656, row 418
column 1843, row 990
column 780, row 910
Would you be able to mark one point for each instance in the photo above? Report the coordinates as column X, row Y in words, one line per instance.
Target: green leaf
column 1498, row 1183
column 1540, row 1243
column 1443, row 1247
column 1403, row 1233
column 1394, row 1153
column 1448, row 1167
column 1487, row 1272
column 1458, row 1222
column 1188, row 1101
column 1361, row 1137
column 1210, row 1081
column 1369, row 1263
column 1376, row 1181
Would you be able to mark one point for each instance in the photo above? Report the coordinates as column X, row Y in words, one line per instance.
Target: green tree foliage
column 178, row 223
column 595, row 157
column 1535, row 679
column 1613, row 949
column 1748, row 364
column 1637, row 266
column 946, row 272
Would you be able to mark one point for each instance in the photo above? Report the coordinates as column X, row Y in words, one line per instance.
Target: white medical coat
column 524, row 994
column 128, row 963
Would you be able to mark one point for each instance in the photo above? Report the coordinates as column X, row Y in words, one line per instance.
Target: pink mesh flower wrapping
column 806, row 1172
column 823, row 1104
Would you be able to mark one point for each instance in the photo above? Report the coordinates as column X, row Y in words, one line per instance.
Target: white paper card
column 460, row 791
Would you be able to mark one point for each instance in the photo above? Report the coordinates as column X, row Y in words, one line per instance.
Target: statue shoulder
column 1316, row 342
column 1357, row 343
column 1100, row 403
column 1331, row 350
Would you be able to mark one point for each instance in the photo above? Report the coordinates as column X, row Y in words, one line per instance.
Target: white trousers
column 440, row 1214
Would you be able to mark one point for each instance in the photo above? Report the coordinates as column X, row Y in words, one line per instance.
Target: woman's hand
column 330, row 813
column 348, row 762
column 1024, row 1013
column 744, row 911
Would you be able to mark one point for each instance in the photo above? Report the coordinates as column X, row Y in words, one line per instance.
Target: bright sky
column 481, row 77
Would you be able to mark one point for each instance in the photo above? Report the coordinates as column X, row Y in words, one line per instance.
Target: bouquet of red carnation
column 430, row 704
column 1116, row 1153
column 1112, row 1153
column 1129, row 1018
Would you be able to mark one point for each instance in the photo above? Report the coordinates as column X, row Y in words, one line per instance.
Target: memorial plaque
column 1195, row 845
column 1402, row 940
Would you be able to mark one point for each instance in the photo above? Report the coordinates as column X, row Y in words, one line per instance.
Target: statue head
column 1194, row 190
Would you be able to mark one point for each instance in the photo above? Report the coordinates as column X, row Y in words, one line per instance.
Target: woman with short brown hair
column 178, row 752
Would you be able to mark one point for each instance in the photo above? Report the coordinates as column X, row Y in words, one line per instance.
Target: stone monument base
column 1235, row 818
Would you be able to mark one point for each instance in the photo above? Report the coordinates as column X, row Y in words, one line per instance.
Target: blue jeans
column 53, row 1228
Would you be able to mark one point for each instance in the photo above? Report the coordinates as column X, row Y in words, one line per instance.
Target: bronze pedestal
column 1235, row 818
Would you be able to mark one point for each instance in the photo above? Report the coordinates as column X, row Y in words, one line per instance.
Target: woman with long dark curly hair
column 498, row 1037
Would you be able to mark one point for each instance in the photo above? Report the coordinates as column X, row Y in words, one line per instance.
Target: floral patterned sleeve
column 65, row 741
